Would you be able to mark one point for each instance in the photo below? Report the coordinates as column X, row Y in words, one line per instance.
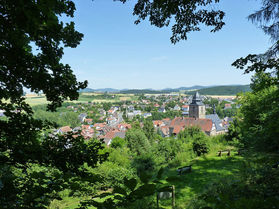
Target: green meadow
column 205, row 171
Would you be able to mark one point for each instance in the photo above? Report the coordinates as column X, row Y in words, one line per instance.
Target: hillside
column 206, row 90
column 223, row 90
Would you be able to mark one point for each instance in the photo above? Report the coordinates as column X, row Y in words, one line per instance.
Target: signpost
column 166, row 193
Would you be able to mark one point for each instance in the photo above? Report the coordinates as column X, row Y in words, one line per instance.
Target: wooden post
column 157, row 200
column 173, row 196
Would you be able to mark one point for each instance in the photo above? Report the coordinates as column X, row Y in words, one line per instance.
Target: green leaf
column 130, row 183
column 143, row 191
column 172, row 179
column 160, row 173
column 144, row 177
column 120, row 190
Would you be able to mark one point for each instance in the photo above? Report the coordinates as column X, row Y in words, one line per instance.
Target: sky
column 116, row 53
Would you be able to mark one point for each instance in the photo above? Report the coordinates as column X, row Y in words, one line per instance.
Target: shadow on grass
column 205, row 171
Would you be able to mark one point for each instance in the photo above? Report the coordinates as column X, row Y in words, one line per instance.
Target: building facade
column 197, row 108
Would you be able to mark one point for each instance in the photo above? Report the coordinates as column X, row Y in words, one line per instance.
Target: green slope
column 223, row 90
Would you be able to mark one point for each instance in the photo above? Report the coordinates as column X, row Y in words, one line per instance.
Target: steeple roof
column 197, row 99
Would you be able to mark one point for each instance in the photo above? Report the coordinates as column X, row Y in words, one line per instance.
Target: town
column 170, row 114
column 139, row 104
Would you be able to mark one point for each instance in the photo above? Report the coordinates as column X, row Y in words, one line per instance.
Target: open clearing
column 205, row 171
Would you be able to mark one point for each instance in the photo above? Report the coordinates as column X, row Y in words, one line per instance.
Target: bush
column 199, row 145
column 144, row 163
column 111, row 174
column 120, row 157
column 118, row 142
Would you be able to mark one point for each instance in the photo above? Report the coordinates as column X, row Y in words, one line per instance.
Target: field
column 34, row 99
column 221, row 97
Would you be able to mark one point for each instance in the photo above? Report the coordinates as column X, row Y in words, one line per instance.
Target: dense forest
column 224, row 90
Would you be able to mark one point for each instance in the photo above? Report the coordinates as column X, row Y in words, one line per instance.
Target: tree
column 149, row 130
column 32, row 41
column 186, row 15
column 118, row 142
column 199, row 145
column 27, row 26
column 137, row 141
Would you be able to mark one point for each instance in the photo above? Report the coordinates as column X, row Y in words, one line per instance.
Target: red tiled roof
column 126, row 125
column 65, row 129
column 88, row 120
column 204, row 124
column 165, row 130
column 157, row 122
column 101, row 125
column 88, row 133
column 85, row 127
column 177, row 129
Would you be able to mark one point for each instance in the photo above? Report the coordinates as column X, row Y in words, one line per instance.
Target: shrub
column 199, row 146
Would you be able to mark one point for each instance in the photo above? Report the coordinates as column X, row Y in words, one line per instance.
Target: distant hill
column 206, row 90
column 86, row 90
column 223, row 90
column 142, row 91
column 185, row 88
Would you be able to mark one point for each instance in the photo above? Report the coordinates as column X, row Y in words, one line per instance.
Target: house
column 156, row 105
column 2, row 113
column 176, row 108
column 111, row 111
column 99, row 126
column 180, row 123
column 157, row 123
column 166, row 121
column 123, row 126
column 227, row 106
column 130, row 108
column 163, row 110
column 146, row 115
column 111, row 120
column 164, row 131
column 88, row 121
column 111, row 135
column 218, row 125
column 185, row 108
column 87, row 133
column 130, row 115
column 226, row 122
column 137, row 112
column 102, row 112
column 82, row 117
column 64, row 130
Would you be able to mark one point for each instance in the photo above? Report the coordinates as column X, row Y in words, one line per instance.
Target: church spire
column 197, row 99
column 214, row 109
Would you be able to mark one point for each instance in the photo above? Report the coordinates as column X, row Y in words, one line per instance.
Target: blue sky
column 118, row 54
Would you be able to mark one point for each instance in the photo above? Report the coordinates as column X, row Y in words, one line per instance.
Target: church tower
column 197, row 108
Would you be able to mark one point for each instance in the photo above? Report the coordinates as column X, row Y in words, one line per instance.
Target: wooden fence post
column 173, row 196
column 157, row 200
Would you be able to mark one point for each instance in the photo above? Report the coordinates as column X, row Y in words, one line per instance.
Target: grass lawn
column 204, row 171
